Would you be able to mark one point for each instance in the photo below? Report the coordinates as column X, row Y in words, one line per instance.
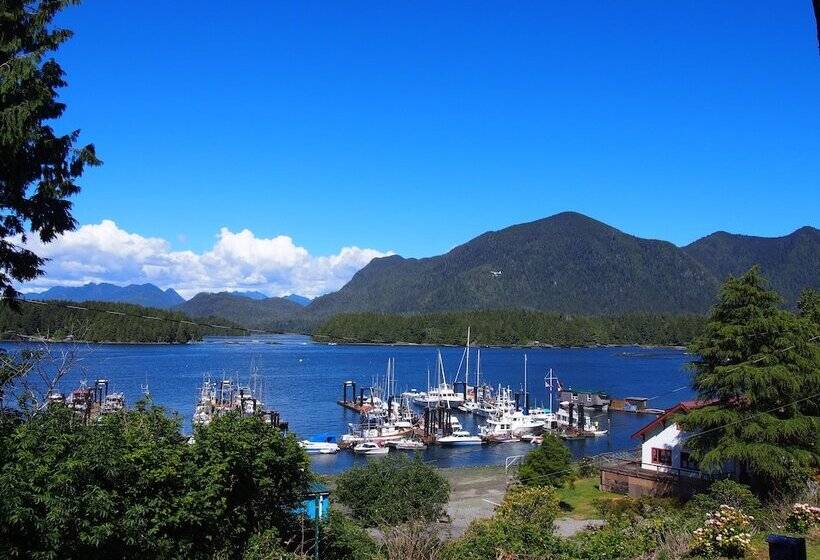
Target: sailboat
column 468, row 405
column 547, row 415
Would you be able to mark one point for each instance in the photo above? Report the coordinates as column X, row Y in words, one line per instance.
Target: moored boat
column 370, row 448
column 409, row 445
column 320, row 444
column 459, row 437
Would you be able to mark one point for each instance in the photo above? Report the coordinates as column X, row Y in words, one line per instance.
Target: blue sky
column 412, row 126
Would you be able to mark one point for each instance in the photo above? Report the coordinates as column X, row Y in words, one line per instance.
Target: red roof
column 683, row 406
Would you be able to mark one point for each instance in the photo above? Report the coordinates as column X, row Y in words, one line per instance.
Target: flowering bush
column 803, row 517
column 727, row 532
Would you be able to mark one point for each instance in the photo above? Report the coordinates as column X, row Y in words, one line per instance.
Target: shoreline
column 522, row 346
column 109, row 342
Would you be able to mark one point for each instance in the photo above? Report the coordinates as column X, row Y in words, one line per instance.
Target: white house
column 664, row 448
column 666, row 466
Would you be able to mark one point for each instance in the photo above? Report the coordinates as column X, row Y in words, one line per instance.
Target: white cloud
column 238, row 261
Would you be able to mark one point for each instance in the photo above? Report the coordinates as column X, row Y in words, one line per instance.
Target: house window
column 589, row 398
column 687, row 462
column 662, row 456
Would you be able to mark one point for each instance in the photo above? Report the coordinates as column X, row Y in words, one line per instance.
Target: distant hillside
column 59, row 323
column 791, row 263
column 269, row 313
column 567, row 263
column 512, row 328
column 139, row 294
column 252, row 295
column 301, row 300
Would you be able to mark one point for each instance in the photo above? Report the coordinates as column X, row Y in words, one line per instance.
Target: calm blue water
column 304, row 380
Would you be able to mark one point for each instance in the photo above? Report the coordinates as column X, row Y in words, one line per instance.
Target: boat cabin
column 590, row 399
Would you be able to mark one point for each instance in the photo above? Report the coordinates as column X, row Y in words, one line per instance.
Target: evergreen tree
column 38, row 168
column 549, row 464
column 758, row 364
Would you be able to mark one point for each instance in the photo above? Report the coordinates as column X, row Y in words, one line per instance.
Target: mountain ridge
column 147, row 295
column 566, row 263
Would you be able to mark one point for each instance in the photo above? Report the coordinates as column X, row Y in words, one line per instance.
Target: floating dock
column 636, row 405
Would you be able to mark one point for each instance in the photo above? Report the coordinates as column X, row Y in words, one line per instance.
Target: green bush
column 393, row 490
column 341, row 538
column 634, row 508
column 726, row 532
column 549, row 464
column 499, row 537
column 725, row 492
column 131, row 486
column 538, row 505
column 803, row 518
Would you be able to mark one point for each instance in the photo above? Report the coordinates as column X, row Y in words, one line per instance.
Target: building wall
column 636, row 486
column 673, row 438
column 668, row 438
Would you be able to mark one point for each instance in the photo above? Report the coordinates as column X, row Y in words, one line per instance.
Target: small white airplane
column 495, row 273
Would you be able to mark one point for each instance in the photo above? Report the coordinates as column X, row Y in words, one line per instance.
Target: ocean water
column 303, row 380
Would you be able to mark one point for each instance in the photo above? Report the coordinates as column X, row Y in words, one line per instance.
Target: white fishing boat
column 511, row 425
column 409, row 445
column 459, row 437
column 442, row 392
column 370, row 448
column 320, row 444
column 468, row 406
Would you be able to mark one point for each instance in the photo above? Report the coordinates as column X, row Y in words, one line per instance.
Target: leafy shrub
column 341, row 538
column 803, row 518
column 549, row 464
column 633, row 508
column 266, row 545
column 538, row 505
column 393, row 490
column 726, row 492
column 522, row 525
column 727, row 532
column 131, row 486
column 499, row 537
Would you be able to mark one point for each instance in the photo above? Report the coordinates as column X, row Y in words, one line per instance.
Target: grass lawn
column 813, row 546
column 580, row 498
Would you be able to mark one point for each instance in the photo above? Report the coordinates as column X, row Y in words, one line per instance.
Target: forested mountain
column 301, row 300
column 269, row 313
column 791, row 263
column 512, row 327
column 567, row 263
column 56, row 322
column 251, row 294
column 147, row 295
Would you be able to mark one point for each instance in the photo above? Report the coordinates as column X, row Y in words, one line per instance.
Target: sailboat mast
column 551, row 390
column 442, row 376
column 526, row 408
column 467, row 365
column 477, row 375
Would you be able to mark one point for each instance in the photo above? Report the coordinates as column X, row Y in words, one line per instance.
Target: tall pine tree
column 759, row 364
column 38, row 168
